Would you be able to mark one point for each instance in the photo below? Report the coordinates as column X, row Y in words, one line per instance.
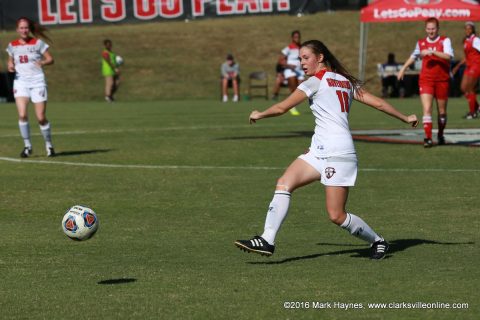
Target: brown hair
column 434, row 20
column 331, row 62
column 36, row 29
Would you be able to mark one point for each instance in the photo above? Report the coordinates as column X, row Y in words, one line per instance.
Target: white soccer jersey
column 292, row 53
column 330, row 96
column 25, row 57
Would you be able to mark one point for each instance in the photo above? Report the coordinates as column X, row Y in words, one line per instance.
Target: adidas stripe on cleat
column 26, row 152
column 51, row 152
column 256, row 244
column 379, row 250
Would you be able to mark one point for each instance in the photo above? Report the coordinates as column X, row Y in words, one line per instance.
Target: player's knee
column 336, row 216
column 283, row 185
column 42, row 121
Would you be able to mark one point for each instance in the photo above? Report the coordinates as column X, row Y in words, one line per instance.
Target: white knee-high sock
column 360, row 229
column 25, row 133
column 277, row 211
column 47, row 134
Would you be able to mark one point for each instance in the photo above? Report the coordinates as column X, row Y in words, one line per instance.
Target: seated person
column 230, row 78
column 388, row 73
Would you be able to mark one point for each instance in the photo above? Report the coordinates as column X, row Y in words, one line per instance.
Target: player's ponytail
column 331, row 62
column 35, row 28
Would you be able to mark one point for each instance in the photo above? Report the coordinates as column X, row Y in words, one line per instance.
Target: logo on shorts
column 329, row 172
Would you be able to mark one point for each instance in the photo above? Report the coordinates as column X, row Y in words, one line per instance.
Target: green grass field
column 175, row 183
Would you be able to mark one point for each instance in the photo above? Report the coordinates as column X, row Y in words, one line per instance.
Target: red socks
column 472, row 102
column 427, row 126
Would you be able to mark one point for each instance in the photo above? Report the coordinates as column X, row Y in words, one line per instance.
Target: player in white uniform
column 331, row 158
column 290, row 61
column 26, row 57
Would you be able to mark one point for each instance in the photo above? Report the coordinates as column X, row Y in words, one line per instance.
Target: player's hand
column 254, row 116
column 426, row 52
column 412, row 120
column 400, row 75
column 11, row 67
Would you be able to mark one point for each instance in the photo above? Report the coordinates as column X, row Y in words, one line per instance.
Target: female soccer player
column 331, row 157
column 471, row 47
column 289, row 60
column 434, row 82
column 110, row 70
column 26, row 57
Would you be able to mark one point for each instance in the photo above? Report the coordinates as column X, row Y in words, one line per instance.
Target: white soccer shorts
column 338, row 171
column 37, row 94
column 298, row 73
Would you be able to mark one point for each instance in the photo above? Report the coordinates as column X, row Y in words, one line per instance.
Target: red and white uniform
column 435, row 74
column 471, row 47
column 292, row 54
column 332, row 151
column 29, row 77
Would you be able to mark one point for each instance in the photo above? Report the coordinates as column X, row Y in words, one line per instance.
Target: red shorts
column 438, row 89
column 473, row 71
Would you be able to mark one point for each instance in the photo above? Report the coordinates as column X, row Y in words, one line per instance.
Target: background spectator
column 230, row 77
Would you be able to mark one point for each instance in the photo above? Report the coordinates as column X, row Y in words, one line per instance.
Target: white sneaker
column 225, row 99
column 235, row 98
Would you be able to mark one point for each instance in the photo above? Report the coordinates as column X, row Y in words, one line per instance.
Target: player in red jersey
column 436, row 53
column 471, row 47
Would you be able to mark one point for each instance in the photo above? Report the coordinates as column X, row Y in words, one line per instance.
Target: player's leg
column 116, row 85
column 442, row 90
column 298, row 174
column 39, row 99
column 235, row 89
column 427, row 101
column 336, row 198
column 23, row 125
column 224, row 89
column 468, row 87
column 108, row 88
column 292, row 86
column 278, row 84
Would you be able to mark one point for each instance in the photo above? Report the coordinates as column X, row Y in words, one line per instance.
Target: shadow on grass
column 294, row 134
column 117, row 281
column 80, row 152
column 395, row 246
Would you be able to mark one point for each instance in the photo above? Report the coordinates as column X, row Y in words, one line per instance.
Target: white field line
column 166, row 167
column 180, row 128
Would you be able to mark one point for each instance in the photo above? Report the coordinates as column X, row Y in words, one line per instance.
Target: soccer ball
column 118, row 60
column 80, row 223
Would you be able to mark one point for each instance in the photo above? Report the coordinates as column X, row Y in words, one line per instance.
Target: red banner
column 414, row 10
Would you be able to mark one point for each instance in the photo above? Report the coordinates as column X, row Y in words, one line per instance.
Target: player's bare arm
column 441, row 55
column 46, row 60
column 407, row 64
column 280, row 108
column 457, row 66
column 10, row 64
column 382, row 105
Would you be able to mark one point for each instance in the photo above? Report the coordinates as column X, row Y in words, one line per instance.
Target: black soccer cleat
column 51, row 152
column 471, row 115
column 379, row 250
column 26, row 152
column 256, row 244
column 441, row 140
column 427, row 143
